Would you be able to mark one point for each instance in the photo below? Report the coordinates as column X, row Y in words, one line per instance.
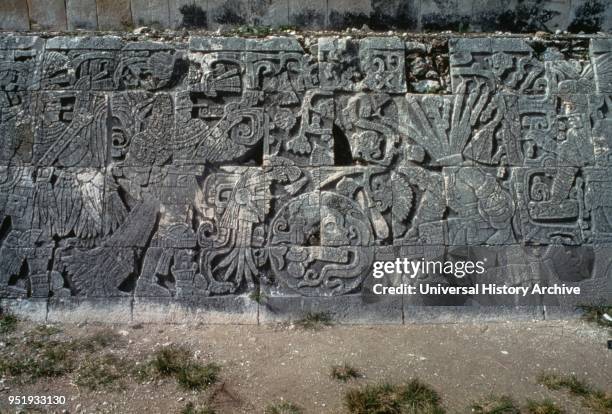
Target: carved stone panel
column 70, row 129
column 551, row 205
column 419, row 207
column 554, row 131
column 481, row 208
column 107, row 63
column 20, row 58
column 195, row 173
column 601, row 56
column 370, row 64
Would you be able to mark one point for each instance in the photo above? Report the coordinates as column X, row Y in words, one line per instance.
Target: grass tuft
column 496, row 405
column 40, row 359
column 98, row 340
column 96, row 373
column 570, row 383
column 542, row 407
column 176, row 361
column 595, row 314
column 40, row 356
column 194, row 376
column 190, row 408
column 597, row 401
column 8, row 323
column 314, row 321
column 258, row 296
column 171, row 360
column 414, row 397
column 344, row 372
column 45, row 330
column 283, row 408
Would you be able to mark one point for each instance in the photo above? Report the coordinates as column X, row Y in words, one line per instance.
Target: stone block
column 445, row 15
column 471, row 314
column 343, row 14
column 114, row 15
column 481, row 209
column 274, row 13
column 586, row 267
column 419, row 206
column 14, row 15
column 311, row 15
column 431, row 123
column 24, row 270
column 151, row 13
column 550, row 204
column 470, row 65
column 100, row 272
column 82, row 63
column 101, row 309
column 555, row 131
column 82, row 14
column 394, row 14
column 34, row 310
column 599, row 105
column 530, row 15
column 47, row 14
column 370, row 64
column 70, row 129
column 302, row 133
column 601, row 57
column 208, row 310
column 348, row 309
column 487, row 15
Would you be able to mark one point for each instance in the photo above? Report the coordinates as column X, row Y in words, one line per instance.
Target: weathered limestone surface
column 47, row 14
column 114, row 14
column 524, row 16
column 82, row 14
column 245, row 180
column 14, row 15
column 151, row 12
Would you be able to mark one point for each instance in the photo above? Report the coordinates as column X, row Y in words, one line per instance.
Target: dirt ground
column 262, row 365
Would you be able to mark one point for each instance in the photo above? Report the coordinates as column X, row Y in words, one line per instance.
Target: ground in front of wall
column 288, row 369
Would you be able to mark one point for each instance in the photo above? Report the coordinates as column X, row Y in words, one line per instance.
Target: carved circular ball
column 321, row 244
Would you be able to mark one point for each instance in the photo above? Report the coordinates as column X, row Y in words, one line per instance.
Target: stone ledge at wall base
column 33, row 310
column 587, row 16
column 346, row 310
column 240, row 310
column 75, row 310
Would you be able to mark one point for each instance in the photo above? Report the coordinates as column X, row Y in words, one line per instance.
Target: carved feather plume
column 403, row 199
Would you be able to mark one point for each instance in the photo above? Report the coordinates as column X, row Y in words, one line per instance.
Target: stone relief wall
column 252, row 179
column 588, row 16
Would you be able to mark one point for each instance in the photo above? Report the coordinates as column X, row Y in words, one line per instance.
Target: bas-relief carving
column 187, row 171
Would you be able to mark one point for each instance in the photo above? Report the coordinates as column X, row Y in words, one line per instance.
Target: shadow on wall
column 232, row 12
column 193, row 17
